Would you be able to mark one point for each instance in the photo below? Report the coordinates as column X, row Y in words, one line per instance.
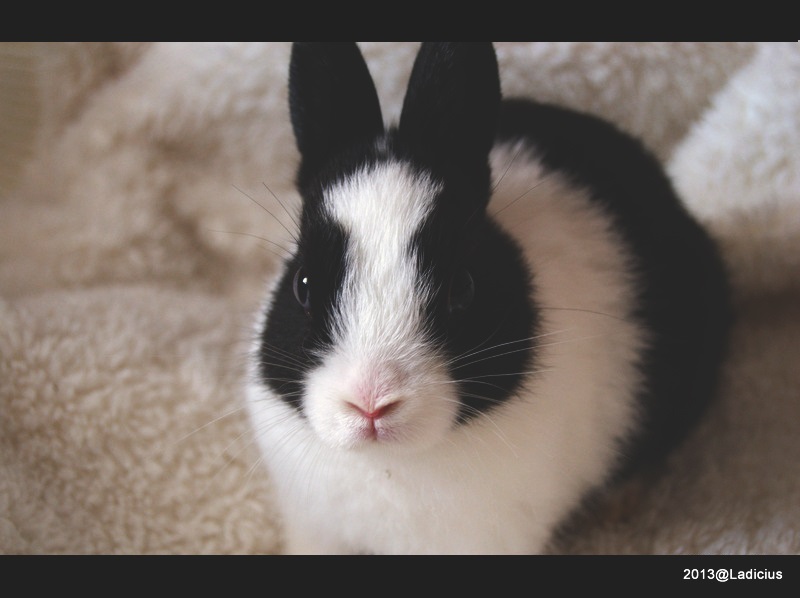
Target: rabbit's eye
column 461, row 293
column 302, row 289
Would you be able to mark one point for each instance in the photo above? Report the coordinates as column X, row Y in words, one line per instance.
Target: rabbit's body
column 438, row 375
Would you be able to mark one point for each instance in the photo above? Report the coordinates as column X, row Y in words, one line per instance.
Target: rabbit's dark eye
column 302, row 289
column 461, row 293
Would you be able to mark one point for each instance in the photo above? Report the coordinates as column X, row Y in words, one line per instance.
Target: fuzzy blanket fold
column 138, row 186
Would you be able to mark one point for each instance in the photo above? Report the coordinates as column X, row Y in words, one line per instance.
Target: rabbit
column 494, row 309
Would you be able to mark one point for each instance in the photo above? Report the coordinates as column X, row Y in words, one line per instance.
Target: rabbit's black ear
column 332, row 99
column 453, row 98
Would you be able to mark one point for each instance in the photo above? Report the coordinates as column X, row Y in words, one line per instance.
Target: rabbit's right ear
column 332, row 99
column 452, row 104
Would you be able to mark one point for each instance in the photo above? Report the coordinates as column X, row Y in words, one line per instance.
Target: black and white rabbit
column 493, row 309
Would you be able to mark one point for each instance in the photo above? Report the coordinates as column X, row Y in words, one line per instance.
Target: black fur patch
column 488, row 344
column 293, row 342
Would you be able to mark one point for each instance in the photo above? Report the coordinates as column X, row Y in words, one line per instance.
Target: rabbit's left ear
column 332, row 99
column 451, row 106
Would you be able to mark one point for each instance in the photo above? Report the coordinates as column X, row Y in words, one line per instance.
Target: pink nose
column 376, row 412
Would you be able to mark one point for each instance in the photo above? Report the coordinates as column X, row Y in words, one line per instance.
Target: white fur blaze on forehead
column 380, row 208
column 386, row 202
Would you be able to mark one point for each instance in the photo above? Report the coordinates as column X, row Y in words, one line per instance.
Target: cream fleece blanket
column 132, row 257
